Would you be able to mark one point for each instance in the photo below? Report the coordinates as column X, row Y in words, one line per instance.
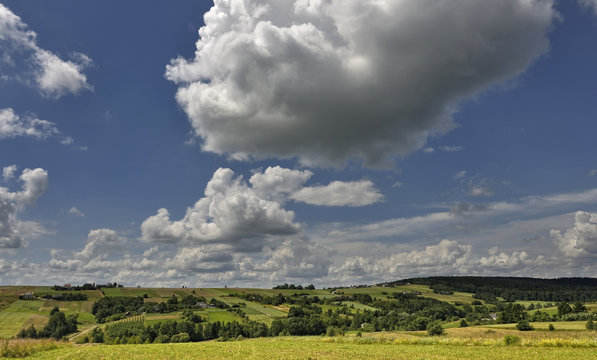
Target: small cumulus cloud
column 8, row 172
column 75, row 212
column 13, row 126
column 338, row 193
column 67, row 141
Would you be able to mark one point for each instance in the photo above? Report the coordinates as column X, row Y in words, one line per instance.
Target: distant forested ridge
column 513, row 288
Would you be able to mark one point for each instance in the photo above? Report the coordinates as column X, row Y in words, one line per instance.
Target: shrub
column 97, row 335
column 524, row 326
column 590, row 325
column 580, row 316
column 180, row 338
column 463, row 323
column 334, row 331
column 511, row 340
column 359, row 334
column 551, row 327
column 435, row 329
column 162, row 339
column 28, row 332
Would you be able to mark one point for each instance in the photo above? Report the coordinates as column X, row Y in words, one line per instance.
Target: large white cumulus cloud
column 12, row 230
column 246, row 214
column 231, row 212
column 330, row 80
column 581, row 239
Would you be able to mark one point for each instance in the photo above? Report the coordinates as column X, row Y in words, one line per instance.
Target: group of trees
column 293, row 287
column 175, row 331
column 106, row 308
column 58, row 326
column 515, row 313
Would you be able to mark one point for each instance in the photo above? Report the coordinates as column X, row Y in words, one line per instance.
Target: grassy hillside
column 337, row 307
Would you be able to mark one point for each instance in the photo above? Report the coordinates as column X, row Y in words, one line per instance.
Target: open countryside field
column 319, row 348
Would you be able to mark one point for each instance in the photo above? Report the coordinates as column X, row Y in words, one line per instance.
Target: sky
column 262, row 142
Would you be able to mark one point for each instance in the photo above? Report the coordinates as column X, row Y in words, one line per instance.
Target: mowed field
column 18, row 315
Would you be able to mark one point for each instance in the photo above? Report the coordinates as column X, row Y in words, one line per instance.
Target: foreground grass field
column 324, row 348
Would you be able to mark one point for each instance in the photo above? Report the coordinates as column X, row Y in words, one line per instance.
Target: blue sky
column 327, row 142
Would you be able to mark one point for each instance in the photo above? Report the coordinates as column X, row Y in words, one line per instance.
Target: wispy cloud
column 13, row 125
column 53, row 76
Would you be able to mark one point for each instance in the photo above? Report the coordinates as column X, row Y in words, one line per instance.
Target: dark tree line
column 513, row 288
column 278, row 299
column 87, row 286
column 293, row 287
